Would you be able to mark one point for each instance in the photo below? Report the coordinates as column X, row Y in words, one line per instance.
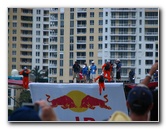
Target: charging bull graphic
column 64, row 101
column 90, row 102
column 78, row 101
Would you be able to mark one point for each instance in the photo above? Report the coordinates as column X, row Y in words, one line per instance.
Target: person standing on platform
column 85, row 72
column 107, row 70
column 25, row 72
column 76, row 69
column 118, row 69
column 93, row 69
column 132, row 76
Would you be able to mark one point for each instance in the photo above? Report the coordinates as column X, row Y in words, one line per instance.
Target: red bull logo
column 78, row 101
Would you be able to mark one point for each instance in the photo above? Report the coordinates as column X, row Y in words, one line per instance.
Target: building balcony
column 81, row 9
column 81, row 41
column 26, row 49
column 151, row 17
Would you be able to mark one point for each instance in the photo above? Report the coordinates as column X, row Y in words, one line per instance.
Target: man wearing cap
column 93, row 69
column 140, row 99
column 25, row 72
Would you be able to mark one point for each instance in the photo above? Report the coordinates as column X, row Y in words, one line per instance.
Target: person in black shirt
column 76, row 69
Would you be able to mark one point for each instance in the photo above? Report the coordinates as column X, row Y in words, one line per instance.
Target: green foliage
column 25, row 97
column 37, row 73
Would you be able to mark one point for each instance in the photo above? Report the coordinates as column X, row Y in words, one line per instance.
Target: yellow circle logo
column 77, row 96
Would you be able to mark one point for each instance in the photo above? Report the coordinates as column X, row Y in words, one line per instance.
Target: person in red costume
column 25, row 72
column 107, row 70
column 101, row 79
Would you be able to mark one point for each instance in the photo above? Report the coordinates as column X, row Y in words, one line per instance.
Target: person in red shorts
column 101, row 79
column 25, row 72
column 107, row 70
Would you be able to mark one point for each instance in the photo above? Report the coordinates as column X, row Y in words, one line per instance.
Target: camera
column 32, row 106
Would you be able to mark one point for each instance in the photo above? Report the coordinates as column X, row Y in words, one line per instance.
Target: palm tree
column 37, row 73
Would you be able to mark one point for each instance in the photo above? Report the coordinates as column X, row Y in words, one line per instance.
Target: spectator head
column 118, row 60
column 25, row 67
column 93, row 62
column 76, row 62
column 140, row 100
column 119, row 116
column 24, row 114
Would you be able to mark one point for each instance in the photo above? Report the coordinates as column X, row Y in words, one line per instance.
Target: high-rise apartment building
column 53, row 38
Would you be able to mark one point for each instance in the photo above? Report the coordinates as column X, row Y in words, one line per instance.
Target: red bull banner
column 80, row 101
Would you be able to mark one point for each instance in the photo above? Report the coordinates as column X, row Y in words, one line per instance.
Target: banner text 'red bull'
column 81, row 102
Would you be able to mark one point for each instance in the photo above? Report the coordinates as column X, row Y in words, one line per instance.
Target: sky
column 73, row 3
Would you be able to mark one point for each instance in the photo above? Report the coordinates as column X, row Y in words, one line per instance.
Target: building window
column 139, row 46
column 13, row 59
column 14, row 31
column 61, row 31
column 99, row 46
column 38, row 11
column 13, row 52
column 106, row 29
column 106, row 13
column 149, row 54
column 106, row 21
column 61, row 39
column 149, row 62
column 140, row 38
column 71, row 55
column 105, row 37
column 71, row 39
column 71, row 23
column 91, row 46
column 139, row 71
column 100, row 22
column 14, row 24
column 91, row 22
column 62, row 16
column 100, row 14
column 37, row 18
column 71, row 63
column 100, row 38
column 106, row 45
column 37, row 53
column 38, row 47
column 71, row 47
column 91, row 54
column 149, row 46
column 139, row 62
column 14, row 10
column 37, row 25
column 62, row 23
column 13, row 66
column 14, row 38
column 100, row 30
column 71, row 15
column 37, row 40
column 13, row 45
column 14, row 17
column 140, row 22
column 37, row 32
column 71, row 31
column 140, row 30
column 91, row 30
column 61, row 63
column 71, row 9
column 140, row 14
column 99, row 62
column 91, row 38
column 91, row 14
column 61, row 47
column 61, row 72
